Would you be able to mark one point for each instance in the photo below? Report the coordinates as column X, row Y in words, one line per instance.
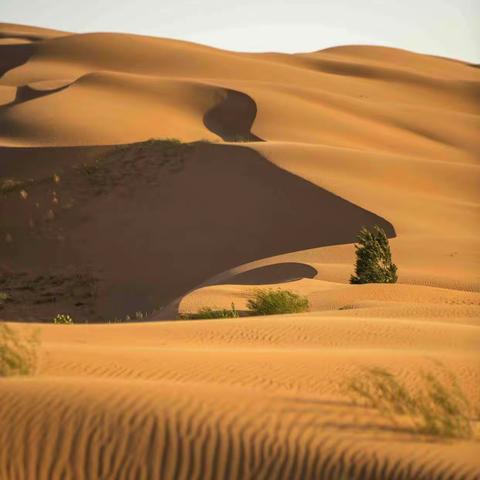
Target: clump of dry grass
column 435, row 408
column 62, row 318
column 18, row 354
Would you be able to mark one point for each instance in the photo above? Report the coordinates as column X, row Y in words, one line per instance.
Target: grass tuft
column 272, row 302
column 435, row 409
column 207, row 312
column 62, row 319
column 18, row 355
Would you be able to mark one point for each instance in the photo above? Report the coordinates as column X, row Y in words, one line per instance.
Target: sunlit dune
column 145, row 178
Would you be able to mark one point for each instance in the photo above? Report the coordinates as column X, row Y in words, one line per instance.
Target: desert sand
column 281, row 159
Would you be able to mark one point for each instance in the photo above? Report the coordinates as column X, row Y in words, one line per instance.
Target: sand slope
column 245, row 398
column 284, row 158
column 389, row 130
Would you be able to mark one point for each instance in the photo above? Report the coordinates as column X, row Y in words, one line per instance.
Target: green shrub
column 374, row 259
column 18, row 355
column 435, row 408
column 207, row 312
column 62, row 318
column 271, row 302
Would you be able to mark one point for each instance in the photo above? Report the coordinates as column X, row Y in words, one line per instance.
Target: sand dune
column 28, row 33
column 169, row 430
column 148, row 192
column 245, row 398
column 280, row 160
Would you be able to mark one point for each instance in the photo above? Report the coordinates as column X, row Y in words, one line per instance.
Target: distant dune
column 141, row 174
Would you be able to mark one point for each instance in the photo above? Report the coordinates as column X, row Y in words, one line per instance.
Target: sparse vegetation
column 136, row 317
column 62, row 318
column 207, row 312
column 173, row 141
column 18, row 354
column 271, row 302
column 241, row 138
column 374, row 259
column 435, row 409
column 8, row 185
column 76, row 291
column 90, row 168
column 168, row 142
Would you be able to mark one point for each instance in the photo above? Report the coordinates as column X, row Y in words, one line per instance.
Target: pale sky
column 449, row 28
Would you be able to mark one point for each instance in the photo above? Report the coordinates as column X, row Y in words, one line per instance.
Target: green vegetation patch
column 261, row 302
column 374, row 258
column 274, row 302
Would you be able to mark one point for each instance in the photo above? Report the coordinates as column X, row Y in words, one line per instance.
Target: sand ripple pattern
column 120, row 430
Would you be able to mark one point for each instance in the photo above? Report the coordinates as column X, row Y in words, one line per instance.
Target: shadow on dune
column 26, row 93
column 12, row 56
column 143, row 224
column 233, row 117
column 275, row 273
column 266, row 275
column 40, row 162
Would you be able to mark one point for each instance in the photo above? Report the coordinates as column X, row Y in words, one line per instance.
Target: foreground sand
column 330, row 141
column 243, row 398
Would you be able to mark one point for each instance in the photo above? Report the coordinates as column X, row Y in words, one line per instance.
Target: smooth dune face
column 284, row 158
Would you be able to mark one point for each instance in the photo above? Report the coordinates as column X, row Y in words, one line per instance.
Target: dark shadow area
column 275, row 273
column 134, row 227
column 12, row 56
column 233, row 117
column 26, row 93
column 39, row 162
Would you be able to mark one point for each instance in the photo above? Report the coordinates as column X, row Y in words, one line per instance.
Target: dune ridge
column 157, row 176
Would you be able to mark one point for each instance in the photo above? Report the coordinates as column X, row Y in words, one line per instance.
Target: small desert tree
column 374, row 259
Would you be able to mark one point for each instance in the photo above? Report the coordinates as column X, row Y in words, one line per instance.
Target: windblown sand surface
column 283, row 158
